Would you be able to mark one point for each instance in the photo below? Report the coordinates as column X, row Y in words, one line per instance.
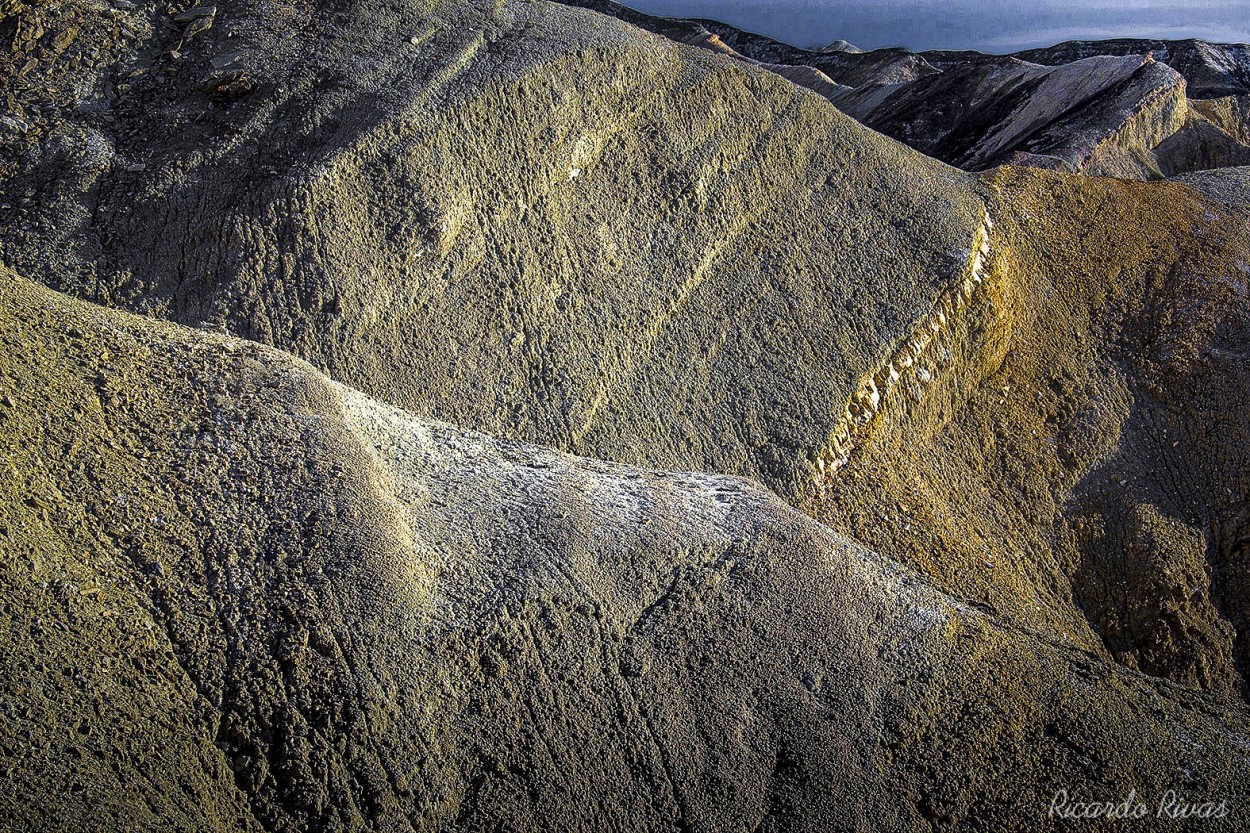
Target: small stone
column 195, row 13
column 225, row 87
column 199, row 25
column 62, row 39
column 228, row 60
column 14, row 125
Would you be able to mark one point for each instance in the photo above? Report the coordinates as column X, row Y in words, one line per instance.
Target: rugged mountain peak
column 841, row 45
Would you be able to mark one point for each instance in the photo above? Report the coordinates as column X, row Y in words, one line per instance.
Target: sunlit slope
column 246, row 597
column 523, row 218
column 1135, row 109
column 1070, row 450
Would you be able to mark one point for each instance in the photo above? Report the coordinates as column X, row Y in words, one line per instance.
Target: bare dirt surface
column 1094, row 428
column 535, row 222
column 245, row 597
column 903, row 498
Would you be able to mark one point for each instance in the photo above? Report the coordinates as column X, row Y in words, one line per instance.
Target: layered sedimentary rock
column 899, row 382
column 1076, row 456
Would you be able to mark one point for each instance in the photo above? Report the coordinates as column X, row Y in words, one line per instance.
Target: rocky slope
column 533, row 221
column 1228, row 186
column 240, row 596
column 992, row 539
column 1127, row 108
column 1211, row 70
column 1088, row 397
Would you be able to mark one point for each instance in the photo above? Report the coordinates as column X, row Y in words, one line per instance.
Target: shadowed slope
column 1075, row 458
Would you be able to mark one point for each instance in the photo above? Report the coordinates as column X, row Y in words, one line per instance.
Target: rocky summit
column 520, row 415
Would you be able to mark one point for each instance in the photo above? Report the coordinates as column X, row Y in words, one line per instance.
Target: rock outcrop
column 1074, row 458
column 1212, row 70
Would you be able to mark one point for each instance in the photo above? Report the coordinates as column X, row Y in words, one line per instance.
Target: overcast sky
column 968, row 24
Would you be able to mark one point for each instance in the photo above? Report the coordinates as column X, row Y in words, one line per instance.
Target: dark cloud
column 968, row 24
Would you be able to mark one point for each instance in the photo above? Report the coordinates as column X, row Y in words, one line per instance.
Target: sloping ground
column 531, row 220
column 997, row 111
column 1163, row 108
column 1070, row 449
column 847, row 67
column 245, row 597
column 1127, row 117
column 302, row 606
column 1229, row 186
column 1113, row 108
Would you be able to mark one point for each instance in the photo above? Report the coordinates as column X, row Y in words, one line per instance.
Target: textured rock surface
column 1089, row 404
column 1100, row 115
column 242, row 596
column 1212, row 70
column 246, row 597
column 538, row 222
column 1229, row 186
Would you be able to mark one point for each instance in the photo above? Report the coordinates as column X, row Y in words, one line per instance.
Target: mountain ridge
column 465, row 414
column 330, row 588
column 952, row 104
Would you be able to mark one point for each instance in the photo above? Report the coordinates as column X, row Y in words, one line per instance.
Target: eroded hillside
column 534, row 221
column 906, row 497
column 1089, row 402
column 241, row 596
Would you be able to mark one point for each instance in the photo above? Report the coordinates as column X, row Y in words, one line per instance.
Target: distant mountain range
column 966, row 24
column 1139, row 109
